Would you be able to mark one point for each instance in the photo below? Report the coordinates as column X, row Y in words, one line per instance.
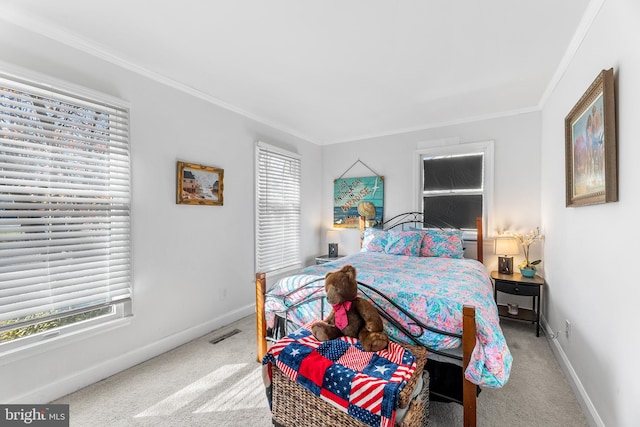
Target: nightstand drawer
column 518, row 288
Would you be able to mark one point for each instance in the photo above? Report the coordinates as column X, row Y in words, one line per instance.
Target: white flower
column 526, row 240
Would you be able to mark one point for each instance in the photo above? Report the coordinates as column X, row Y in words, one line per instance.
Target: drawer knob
column 517, row 289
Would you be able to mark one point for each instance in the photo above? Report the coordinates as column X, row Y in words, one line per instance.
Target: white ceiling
column 331, row 70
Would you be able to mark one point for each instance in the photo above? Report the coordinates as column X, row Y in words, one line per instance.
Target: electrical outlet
column 567, row 328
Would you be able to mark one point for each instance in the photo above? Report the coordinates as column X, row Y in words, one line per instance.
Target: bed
column 441, row 301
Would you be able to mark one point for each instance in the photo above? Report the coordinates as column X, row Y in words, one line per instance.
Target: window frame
column 122, row 311
column 296, row 261
column 453, row 148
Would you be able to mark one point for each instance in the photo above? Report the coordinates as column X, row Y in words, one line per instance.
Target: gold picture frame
column 199, row 185
column 591, row 148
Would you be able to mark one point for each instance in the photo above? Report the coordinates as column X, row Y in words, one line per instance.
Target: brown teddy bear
column 351, row 316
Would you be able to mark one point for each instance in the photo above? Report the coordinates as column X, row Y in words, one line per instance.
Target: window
column 456, row 183
column 64, row 211
column 278, row 181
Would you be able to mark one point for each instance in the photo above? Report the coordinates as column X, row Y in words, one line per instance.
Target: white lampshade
column 333, row 236
column 507, row 246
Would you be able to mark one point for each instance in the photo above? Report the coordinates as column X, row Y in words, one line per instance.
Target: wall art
column 356, row 197
column 591, row 148
column 199, row 185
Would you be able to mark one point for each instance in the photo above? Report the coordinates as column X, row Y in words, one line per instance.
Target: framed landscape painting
column 591, row 152
column 199, row 185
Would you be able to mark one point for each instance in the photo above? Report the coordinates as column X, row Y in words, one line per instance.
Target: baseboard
column 590, row 412
column 88, row 376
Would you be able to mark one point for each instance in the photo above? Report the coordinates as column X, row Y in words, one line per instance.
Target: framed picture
column 591, row 152
column 199, row 185
column 356, row 197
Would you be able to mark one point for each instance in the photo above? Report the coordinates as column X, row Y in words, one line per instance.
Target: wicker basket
column 294, row 406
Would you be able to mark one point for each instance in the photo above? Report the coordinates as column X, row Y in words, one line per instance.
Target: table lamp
column 506, row 246
column 333, row 238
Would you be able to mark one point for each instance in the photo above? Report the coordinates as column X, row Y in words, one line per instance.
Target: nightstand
column 517, row 284
column 326, row 258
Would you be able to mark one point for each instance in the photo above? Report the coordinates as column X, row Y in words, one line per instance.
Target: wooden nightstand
column 326, row 258
column 517, row 284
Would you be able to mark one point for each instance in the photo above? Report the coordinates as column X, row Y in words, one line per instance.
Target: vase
column 527, row 272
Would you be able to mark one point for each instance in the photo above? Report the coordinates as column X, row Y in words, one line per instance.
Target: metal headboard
column 413, row 219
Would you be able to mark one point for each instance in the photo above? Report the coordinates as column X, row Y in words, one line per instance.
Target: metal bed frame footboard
column 280, row 329
column 282, row 322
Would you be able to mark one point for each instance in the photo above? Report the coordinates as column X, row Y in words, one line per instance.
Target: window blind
column 278, row 180
column 453, row 190
column 453, row 173
column 64, row 203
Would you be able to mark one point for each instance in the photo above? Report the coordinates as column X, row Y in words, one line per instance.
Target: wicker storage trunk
column 295, row 406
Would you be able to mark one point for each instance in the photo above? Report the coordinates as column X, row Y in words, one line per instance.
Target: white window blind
column 455, row 184
column 453, row 190
column 64, row 203
column 278, row 179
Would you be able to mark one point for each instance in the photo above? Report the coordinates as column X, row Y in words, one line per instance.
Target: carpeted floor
column 204, row 384
column 537, row 393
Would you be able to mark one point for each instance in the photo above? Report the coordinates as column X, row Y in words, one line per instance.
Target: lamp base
column 333, row 250
column 505, row 265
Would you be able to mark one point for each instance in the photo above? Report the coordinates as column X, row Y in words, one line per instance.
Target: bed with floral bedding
column 432, row 288
column 427, row 293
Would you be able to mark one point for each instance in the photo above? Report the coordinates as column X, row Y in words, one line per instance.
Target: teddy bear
column 351, row 316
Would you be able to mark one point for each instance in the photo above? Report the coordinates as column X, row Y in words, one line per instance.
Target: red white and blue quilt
column 366, row 385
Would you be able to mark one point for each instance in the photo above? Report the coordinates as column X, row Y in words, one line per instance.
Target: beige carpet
column 204, row 384
column 537, row 393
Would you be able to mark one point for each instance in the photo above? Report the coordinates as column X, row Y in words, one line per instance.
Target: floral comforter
column 433, row 289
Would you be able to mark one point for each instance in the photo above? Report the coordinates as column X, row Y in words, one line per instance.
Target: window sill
column 469, row 235
column 51, row 341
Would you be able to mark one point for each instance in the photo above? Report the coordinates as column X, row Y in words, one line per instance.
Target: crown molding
column 67, row 38
column 586, row 22
column 437, row 125
column 91, row 48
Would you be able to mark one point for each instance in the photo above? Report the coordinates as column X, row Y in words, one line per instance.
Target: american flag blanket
column 366, row 385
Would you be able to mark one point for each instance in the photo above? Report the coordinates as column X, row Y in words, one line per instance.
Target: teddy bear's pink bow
column 340, row 311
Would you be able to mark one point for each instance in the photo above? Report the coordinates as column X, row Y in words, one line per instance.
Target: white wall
column 516, row 176
column 193, row 266
column 590, row 264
